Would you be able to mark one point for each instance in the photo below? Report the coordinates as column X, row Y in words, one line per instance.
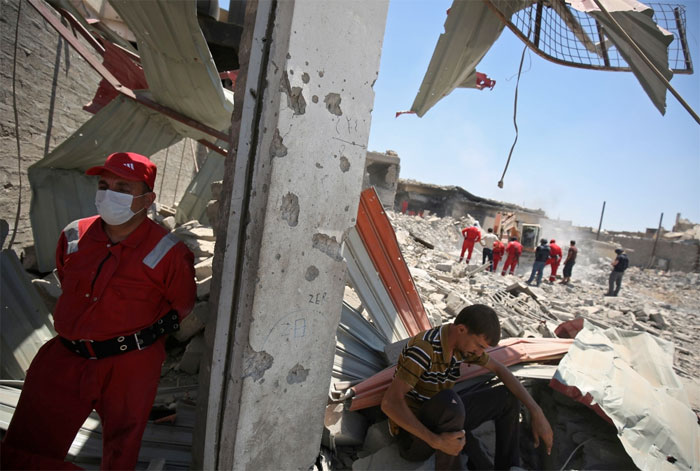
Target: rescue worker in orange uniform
column 555, row 255
column 498, row 251
column 126, row 282
column 471, row 235
column 514, row 249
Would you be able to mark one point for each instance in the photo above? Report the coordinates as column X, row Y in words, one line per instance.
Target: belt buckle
column 138, row 340
column 87, row 343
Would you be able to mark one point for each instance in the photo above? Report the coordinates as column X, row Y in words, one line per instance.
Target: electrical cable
column 572, row 453
column 515, row 114
column 14, row 107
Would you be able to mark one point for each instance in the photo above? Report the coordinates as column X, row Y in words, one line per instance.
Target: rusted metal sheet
column 379, row 238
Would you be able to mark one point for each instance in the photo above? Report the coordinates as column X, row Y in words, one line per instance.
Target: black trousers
column 448, row 411
column 487, row 253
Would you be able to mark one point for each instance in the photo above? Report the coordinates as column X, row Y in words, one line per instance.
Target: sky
column 585, row 137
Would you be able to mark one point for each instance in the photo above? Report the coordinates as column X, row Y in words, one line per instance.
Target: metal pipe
column 600, row 224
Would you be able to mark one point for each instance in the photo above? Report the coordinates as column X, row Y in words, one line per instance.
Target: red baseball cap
column 130, row 166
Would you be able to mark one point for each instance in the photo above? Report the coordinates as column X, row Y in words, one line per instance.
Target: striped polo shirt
column 425, row 366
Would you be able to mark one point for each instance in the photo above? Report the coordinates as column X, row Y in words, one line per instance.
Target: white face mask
column 115, row 207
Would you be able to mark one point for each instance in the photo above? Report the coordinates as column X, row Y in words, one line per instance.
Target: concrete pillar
column 294, row 192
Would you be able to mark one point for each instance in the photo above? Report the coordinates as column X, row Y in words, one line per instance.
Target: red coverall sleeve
column 60, row 253
column 181, row 289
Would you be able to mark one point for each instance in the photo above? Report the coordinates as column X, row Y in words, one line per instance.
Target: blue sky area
column 585, row 136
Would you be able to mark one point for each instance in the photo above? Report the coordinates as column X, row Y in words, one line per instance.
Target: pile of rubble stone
column 665, row 304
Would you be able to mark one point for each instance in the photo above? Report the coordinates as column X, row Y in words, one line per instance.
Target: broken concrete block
column 390, row 458
column 376, row 438
column 511, row 328
column 455, row 303
column 200, row 248
column 436, row 297
column 192, row 356
column 345, row 428
column 49, row 289
column 193, row 323
column 213, row 214
column 203, row 269
column 658, row 320
column 216, row 189
column 203, row 288
column 446, row 267
column 168, row 222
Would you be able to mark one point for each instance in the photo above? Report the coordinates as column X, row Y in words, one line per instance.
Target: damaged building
column 307, row 286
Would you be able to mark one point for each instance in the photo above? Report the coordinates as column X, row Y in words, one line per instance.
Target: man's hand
column 542, row 429
column 450, row 442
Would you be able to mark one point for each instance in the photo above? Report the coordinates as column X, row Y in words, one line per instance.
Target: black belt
column 95, row 349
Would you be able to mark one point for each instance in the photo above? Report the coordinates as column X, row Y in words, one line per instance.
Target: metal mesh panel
column 563, row 35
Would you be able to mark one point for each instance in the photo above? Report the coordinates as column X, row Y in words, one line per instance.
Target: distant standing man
column 541, row 256
column 498, row 251
column 471, row 235
column 126, row 283
column 514, row 249
column 569, row 262
column 619, row 265
column 487, row 242
column 555, row 255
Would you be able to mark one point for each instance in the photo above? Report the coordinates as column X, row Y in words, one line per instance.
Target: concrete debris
column 343, row 427
column 189, row 363
column 203, row 269
column 49, row 289
column 203, row 288
column 193, row 323
column 663, row 303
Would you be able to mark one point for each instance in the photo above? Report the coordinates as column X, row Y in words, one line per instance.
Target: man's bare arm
column 395, row 407
column 540, row 425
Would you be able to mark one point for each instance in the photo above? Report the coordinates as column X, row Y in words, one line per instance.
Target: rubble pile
column 665, row 304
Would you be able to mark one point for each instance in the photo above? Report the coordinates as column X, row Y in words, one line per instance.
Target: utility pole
column 601, row 221
column 653, row 250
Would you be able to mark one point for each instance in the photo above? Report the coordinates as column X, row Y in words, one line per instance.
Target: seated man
column 433, row 418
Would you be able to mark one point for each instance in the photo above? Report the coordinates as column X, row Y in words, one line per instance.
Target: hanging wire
column 179, row 171
column 515, row 115
column 14, row 108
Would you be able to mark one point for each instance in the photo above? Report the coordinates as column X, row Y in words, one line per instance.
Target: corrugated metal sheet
column 470, row 31
column 629, row 376
column 193, row 204
column 359, row 347
column 175, row 57
column 379, row 239
column 371, row 290
column 25, row 321
column 62, row 193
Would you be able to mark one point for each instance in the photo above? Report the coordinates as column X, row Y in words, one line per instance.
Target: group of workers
column 494, row 250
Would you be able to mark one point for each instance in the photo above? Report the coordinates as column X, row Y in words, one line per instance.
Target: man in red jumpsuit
column 498, row 251
column 554, row 259
column 471, row 235
column 126, row 283
column 514, row 250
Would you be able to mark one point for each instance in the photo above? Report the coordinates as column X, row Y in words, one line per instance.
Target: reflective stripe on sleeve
column 72, row 234
column 160, row 250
